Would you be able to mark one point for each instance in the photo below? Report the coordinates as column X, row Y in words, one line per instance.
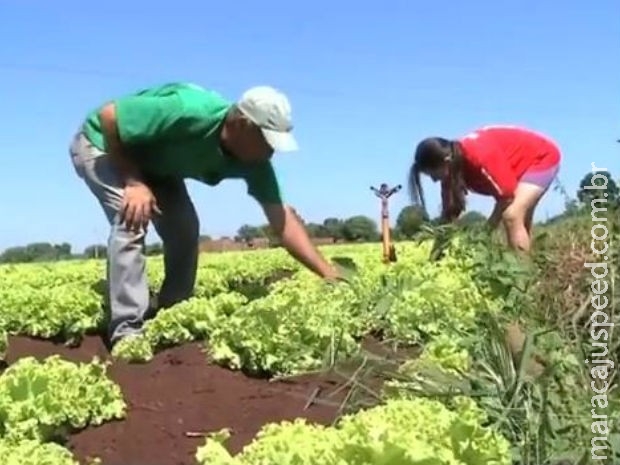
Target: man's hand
column 138, row 206
column 295, row 240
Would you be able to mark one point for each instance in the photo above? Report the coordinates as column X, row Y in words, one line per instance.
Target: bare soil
column 176, row 398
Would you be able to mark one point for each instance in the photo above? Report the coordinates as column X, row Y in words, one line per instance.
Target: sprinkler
column 384, row 193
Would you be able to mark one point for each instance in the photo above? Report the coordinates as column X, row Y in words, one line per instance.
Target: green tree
column 595, row 186
column 247, row 232
column 317, row 230
column 36, row 252
column 334, row 227
column 472, row 217
column 360, row 228
column 14, row 255
column 409, row 221
column 95, row 251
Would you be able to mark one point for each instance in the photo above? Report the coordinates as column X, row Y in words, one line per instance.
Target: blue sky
column 366, row 85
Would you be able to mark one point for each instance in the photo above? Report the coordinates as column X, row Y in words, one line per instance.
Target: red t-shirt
column 496, row 157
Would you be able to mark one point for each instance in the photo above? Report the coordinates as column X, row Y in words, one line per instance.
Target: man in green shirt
column 134, row 154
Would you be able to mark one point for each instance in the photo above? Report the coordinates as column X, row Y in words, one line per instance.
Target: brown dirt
column 177, row 393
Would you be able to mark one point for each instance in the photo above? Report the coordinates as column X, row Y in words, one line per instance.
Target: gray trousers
column 127, row 287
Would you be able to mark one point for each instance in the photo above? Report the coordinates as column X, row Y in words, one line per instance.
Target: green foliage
column 407, row 432
column 536, row 391
column 539, row 409
column 44, row 401
column 449, row 297
column 595, row 184
column 248, row 232
column 471, row 218
column 31, row 452
column 498, row 272
column 36, row 252
column 409, row 221
column 334, row 227
column 360, row 228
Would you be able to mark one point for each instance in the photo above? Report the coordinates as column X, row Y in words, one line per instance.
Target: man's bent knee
column 123, row 240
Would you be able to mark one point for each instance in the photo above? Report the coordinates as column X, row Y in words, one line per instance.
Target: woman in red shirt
column 516, row 166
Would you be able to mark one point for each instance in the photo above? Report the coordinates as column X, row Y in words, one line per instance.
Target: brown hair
column 432, row 153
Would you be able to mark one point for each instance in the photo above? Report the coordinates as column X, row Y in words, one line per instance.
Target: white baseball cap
column 270, row 110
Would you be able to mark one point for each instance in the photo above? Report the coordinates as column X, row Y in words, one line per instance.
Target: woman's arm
column 498, row 211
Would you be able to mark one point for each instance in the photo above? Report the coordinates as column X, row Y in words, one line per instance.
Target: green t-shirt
column 173, row 130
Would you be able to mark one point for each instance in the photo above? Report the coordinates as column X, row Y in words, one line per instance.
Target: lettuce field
column 453, row 355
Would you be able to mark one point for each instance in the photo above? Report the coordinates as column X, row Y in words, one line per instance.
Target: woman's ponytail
column 433, row 153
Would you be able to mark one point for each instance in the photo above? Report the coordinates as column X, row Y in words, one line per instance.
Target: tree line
column 358, row 228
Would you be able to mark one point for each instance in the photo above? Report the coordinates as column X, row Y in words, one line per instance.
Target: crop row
column 281, row 327
column 42, row 401
column 296, row 324
column 65, row 298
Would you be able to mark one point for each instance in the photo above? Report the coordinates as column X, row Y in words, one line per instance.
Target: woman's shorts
column 542, row 178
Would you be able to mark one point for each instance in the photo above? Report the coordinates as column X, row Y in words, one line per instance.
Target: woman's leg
column 529, row 220
column 518, row 217
column 529, row 217
column 515, row 216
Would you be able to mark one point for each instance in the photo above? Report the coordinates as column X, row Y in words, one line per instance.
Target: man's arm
column 127, row 168
column 138, row 201
column 295, row 240
column 263, row 186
